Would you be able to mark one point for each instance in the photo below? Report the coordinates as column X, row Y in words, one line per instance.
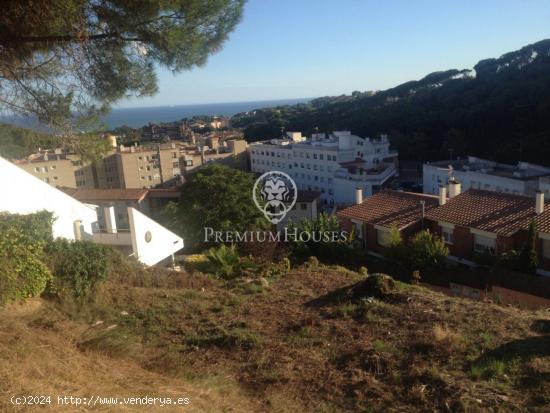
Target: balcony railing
column 383, row 172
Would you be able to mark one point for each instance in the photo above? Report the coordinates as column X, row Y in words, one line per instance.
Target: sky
column 285, row 49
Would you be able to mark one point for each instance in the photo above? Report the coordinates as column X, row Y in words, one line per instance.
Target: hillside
column 498, row 109
column 312, row 340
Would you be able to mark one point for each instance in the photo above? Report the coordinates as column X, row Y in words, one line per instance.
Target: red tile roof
column 490, row 211
column 89, row 195
column 390, row 208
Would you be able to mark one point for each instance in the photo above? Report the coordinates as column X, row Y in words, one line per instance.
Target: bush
column 77, row 267
column 34, row 229
column 225, row 262
column 22, row 240
column 428, row 252
column 22, row 272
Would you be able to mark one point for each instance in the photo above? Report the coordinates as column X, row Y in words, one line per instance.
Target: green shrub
column 225, row 262
column 22, row 240
column 428, row 252
column 22, row 272
column 34, row 229
column 77, row 267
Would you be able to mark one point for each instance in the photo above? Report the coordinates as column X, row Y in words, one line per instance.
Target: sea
column 137, row 117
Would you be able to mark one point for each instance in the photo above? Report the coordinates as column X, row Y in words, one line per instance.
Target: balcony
column 119, row 238
column 380, row 174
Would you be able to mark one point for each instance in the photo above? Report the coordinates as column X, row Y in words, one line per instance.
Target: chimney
column 539, row 202
column 442, row 195
column 454, row 188
column 358, row 196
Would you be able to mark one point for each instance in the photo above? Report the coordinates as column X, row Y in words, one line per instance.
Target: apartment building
column 59, row 169
column 139, row 167
column 231, row 152
column 334, row 164
column 476, row 173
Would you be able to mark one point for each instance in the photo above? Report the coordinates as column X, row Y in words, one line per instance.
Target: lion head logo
column 275, row 194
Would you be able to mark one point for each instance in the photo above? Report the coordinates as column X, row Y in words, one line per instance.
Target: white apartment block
column 521, row 179
column 335, row 164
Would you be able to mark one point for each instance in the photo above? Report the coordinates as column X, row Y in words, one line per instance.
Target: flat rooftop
column 521, row 171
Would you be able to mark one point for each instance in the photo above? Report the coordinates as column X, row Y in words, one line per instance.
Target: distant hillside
column 499, row 110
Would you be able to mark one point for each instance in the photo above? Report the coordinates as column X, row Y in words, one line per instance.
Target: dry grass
column 39, row 361
column 309, row 342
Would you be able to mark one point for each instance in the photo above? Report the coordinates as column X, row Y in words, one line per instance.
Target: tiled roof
column 87, row 195
column 390, row 208
column 490, row 211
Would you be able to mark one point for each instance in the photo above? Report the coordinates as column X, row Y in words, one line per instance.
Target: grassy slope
column 303, row 343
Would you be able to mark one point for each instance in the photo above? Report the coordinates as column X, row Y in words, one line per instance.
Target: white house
column 477, row 173
column 334, row 164
column 23, row 193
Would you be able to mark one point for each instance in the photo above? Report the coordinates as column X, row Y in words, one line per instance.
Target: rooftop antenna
column 282, row 131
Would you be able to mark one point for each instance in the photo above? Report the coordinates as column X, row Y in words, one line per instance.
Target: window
column 383, row 237
column 304, row 206
column 174, row 155
column 447, row 235
column 483, row 244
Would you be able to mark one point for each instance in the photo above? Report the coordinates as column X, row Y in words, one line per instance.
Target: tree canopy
column 217, row 197
column 499, row 111
column 60, row 57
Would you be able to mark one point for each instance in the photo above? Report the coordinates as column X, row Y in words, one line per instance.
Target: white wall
column 22, row 193
column 161, row 244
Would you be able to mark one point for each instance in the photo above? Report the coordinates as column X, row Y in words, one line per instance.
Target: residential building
column 139, row 167
column 305, row 208
column 477, row 173
column 59, row 169
column 472, row 223
column 231, row 152
column 144, row 239
column 374, row 218
column 477, row 222
column 544, row 185
column 119, row 199
column 333, row 164
column 147, row 201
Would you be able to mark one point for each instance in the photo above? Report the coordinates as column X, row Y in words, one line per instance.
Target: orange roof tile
column 490, row 211
column 390, row 208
